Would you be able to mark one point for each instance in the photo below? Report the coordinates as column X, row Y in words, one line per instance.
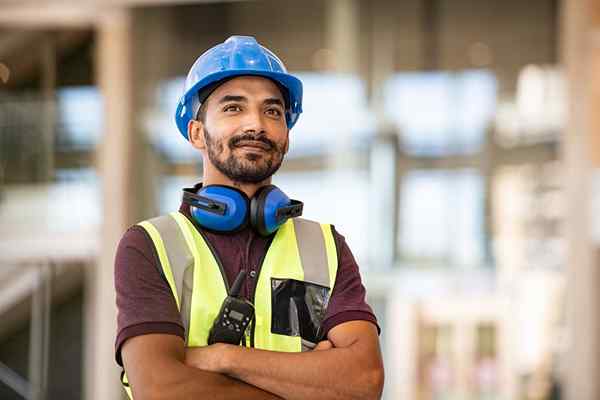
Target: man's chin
column 252, row 157
column 252, row 168
column 252, row 175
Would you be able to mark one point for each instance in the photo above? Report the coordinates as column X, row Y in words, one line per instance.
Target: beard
column 249, row 168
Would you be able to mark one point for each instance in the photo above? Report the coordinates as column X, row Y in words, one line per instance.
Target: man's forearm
column 329, row 374
column 184, row 382
column 156, row 369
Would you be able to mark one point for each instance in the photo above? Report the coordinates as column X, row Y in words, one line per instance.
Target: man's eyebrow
column 228, row 98
column 274, row 100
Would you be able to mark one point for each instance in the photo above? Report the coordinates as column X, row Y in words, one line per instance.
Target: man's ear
column 196, row 134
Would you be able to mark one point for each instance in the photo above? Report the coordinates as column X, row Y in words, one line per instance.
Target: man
column 312, row 335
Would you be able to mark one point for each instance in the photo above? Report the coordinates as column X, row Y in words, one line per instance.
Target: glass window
column 334, row 108
column 159, row 123
column 441, row 113
column 441, row 218
column 79, row 117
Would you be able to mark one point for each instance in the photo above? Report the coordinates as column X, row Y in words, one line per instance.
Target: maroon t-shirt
column 146, row 305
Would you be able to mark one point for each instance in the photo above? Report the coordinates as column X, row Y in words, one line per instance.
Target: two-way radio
column 233, row 319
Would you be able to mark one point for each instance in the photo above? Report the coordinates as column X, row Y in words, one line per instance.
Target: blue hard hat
column 237, row 56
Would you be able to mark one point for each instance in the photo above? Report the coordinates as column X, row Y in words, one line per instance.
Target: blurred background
column 451, row 142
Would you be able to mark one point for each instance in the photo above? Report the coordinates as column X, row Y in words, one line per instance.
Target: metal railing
column 40, row 279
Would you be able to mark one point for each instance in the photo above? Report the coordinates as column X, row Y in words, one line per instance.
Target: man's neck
column 219, row 179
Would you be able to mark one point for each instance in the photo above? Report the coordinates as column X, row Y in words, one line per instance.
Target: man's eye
column 232, row 108
column 274, row 112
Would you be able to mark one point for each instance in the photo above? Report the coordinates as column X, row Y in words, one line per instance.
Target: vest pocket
column 298, row 308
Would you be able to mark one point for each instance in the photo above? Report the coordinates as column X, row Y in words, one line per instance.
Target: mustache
column 233, row 142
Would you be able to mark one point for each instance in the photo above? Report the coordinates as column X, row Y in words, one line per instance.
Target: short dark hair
column 201, row 115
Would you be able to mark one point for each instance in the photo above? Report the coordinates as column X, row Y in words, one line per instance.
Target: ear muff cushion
column 264, row 206
column 236, row 214
column 257, row 219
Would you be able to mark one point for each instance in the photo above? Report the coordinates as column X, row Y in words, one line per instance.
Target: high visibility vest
column 295, row 281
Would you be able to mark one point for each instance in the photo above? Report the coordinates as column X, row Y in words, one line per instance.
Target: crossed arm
column 156, row 370
column 347, row 366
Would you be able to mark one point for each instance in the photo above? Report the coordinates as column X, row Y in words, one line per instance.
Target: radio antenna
column 237, row 285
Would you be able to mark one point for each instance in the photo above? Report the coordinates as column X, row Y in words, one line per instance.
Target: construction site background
column 454, row 144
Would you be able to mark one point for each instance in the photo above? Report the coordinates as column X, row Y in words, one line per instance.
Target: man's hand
column 207, row 358
column 324, row 345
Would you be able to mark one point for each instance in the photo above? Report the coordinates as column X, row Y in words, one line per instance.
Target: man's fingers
column 324, row 345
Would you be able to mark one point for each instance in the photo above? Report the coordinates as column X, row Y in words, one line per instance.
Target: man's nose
column 253, row 122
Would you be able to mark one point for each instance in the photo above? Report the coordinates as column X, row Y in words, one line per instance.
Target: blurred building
column 456, row 141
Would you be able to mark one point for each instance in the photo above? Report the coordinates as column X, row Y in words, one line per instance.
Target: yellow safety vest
column 302, row 252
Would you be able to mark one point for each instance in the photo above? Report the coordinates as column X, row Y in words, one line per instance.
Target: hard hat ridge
column 237, row 56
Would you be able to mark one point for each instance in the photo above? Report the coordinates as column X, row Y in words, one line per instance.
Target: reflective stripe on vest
column 301, row 249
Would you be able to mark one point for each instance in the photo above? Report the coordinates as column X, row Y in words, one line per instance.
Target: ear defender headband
column 225, row 209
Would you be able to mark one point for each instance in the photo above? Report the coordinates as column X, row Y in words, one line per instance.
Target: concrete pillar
column 383, row 201
column 402, row 341
column 581, row 152
column 342, row 35
column 131, row 59
column 116, row 162
column 382, row 51
column 384, row 160
column 342, row 38
column 464, row 340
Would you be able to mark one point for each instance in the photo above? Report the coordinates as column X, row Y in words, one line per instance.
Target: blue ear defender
column 270, row 208
column 226, row 209
column 218, row 208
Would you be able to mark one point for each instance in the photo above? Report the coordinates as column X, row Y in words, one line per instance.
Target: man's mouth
column 256, row 144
